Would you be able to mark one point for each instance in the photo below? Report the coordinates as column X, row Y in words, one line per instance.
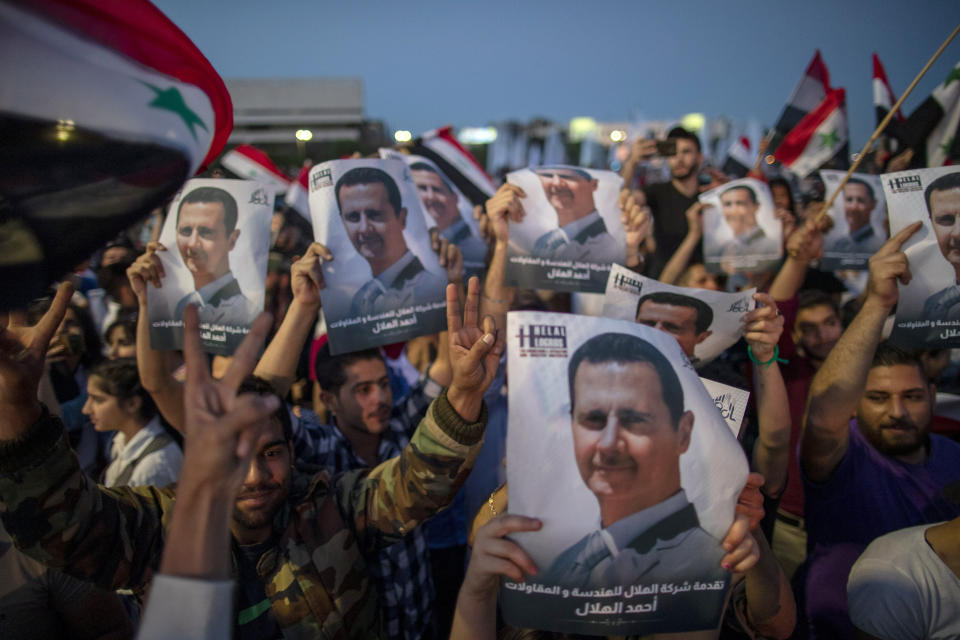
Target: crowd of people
column 288, row 492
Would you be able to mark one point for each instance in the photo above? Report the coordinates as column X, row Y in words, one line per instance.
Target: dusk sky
column 428, row 63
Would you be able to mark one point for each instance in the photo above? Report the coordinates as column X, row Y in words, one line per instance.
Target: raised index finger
column 52, row 318
column 470, row 309
column 894, row 244
column 454, row 321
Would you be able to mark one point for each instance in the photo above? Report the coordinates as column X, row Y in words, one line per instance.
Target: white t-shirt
column 900, row 589
column 157, row 469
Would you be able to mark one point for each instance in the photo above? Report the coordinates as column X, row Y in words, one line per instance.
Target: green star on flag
column 954, row 75
column 829, row 139
column 171, row 100
column 945, row 147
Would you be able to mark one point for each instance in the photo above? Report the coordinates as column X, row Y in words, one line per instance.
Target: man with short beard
column 881, row 471
column 669, row 201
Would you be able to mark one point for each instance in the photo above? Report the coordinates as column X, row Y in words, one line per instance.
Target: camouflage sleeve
column 388, row 501
column 58, row 516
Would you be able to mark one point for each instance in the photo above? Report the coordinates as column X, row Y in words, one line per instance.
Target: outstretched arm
column 836, row 388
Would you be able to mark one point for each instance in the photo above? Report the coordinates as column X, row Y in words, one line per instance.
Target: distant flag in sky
column 807, row 95
column 931, row 130
column 297, row 195
column 820, row 140
column 253, row 164
column 740, row 158
column 458, row 164
column 883, row 99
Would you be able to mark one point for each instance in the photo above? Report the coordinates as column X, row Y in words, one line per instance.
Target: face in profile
column 858, row 204
column 945, row 216
column 203, row 240
column 739, row 210
column 626, row 447
column 569, row 193
column 438, row 199
column 374, row 227
column 678, row 321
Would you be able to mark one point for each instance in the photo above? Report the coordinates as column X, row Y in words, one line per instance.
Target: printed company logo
column 543, row 340
column 625, row 282
column 740, row 305
column 320, row 179
column 259, row 197
column 906, row 183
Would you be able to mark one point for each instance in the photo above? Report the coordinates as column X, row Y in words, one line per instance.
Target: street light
column 403, row 136
column 304, row 135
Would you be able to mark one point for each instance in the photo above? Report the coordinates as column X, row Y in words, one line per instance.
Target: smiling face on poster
column 384, row 284
column 615, row 444
column 740, row 232
column 705, row 323
column 571, row 231
column 217, row 240
column 446, row 209
column 928, row 311
column 858, row 214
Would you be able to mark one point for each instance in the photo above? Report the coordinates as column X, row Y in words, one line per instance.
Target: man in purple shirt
column 882, row 470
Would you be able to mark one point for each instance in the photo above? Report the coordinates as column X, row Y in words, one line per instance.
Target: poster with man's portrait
column 447, row 210
column 740, row 232
column 571, row 231
column 928, row 310
column 384, row 284
column 705, row 323
column 616, row 446
column 216, row 238
column 858, row 213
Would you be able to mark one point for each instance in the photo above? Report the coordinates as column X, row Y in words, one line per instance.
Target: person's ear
column 593, row 184
column 330, row 401
column 232, row 241
column 402, row 217
column 684, row 429
column 132, row 405
column 703, row 336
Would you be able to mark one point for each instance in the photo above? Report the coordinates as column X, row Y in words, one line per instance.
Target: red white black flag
column 253, row 164
column 457, row 163
column 807, row 96
column 820, row 140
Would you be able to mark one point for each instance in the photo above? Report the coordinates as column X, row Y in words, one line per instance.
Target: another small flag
column 253, row 164
column 297, row 196
column 931, row 130
column 883, row 99
column 820, row 139
column 440, row 146
column 807, row 95
column 740, row 158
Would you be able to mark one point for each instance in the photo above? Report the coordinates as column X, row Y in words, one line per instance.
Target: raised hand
column 474, row 352
column 888, row 266
column 637, row 222
column 306, row 274
column 762, row 327
column 146, row 268
column 448, row 255
column 494, row 555
column 22, row 351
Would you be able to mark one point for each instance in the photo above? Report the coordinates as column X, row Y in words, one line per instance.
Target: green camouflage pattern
column 316, row 578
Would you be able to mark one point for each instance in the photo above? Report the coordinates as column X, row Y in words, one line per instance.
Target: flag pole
column 883, row 125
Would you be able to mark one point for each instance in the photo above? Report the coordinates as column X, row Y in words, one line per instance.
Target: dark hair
column 810, row 298
column 254, row 384
column 120, row 379
column 557, row 167
column 866, row 185
column 943, row 183
column 423, row 166
column 624, row 348
column 889, row 355
column 748, row 189
column 215, row 195
column 368, row 175
column 332, row 370
column 783, row 182
column 704, row 312
column 128, row 324
column 679, row 133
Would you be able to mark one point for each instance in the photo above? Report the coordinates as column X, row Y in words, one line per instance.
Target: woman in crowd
column 142, row 452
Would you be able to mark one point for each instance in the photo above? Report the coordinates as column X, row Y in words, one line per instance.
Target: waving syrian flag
column 740, row 158
column 931, row 130
column 106, row 108
column 883, row 99
column 820, row 140
column 807, row 95
column 253, row 164
column 458, row 164
column 297, row 197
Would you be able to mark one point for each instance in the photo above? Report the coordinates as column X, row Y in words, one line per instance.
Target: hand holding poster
column 740, row 232
column 705, row 323
column 858, row 215
column 217, row 239
column 928, row 309
column 570, row 232
column 447, row 210
column 633, row 473
column 385, row 283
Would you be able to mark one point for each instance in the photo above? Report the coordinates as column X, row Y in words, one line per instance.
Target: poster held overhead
column 217, row 240
column 384, row 284
column 858, row 214
column 740, row 232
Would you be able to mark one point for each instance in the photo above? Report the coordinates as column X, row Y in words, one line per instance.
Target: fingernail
column 726, row 565
column 488, row 338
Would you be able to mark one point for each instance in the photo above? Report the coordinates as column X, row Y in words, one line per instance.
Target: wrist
column 467, row 404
